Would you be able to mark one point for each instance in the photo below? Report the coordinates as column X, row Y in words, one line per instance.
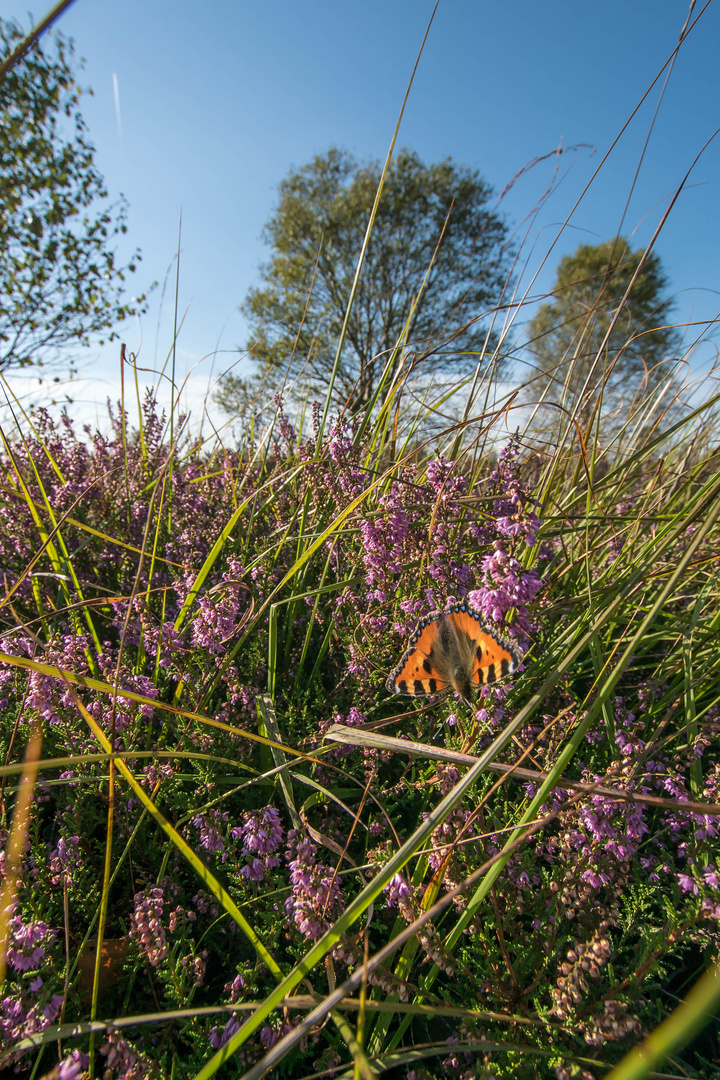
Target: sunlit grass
column 197, row 616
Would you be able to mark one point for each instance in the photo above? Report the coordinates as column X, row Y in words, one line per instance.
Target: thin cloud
column 116, row 94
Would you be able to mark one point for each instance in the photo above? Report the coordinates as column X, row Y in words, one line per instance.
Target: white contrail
column 116, row 92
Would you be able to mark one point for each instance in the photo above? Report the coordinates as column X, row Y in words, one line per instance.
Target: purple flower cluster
column 155, row 774
column 27, row 944
column 614, row 826
column 344, row 475
column 29, row 1009
column 146, row 926
column 337, row 472
column 19, row 1017
column 122, row 1059
column 400, row 895
column 65, row 861
column 235, row 988
column 270, row 1035
column 382, row 548
column 261, row 835
column 397, row 533
column 73, row 1066
column 49, row 696
column 122, row 714
column 216, row 618
column 316, row 898
column 354, row 718
column 286, row 429
column 504, row 584
column 163, row 642
column 595, row 844
column 209, row 826
column 513, row 506
column 507, row 586
column 218, row 1038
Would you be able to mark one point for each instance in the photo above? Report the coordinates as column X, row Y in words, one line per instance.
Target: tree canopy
column 429, row 216
column 60, row 281
column 566, row 334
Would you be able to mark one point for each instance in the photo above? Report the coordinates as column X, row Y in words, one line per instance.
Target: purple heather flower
column 65, row 860
column 287, row 431
column 146, row 927
column 445, row 480
column 72, row 1067
column 358, row 664
column 399, row 894
column 595, row 879
column 269, row 1035
column 235, row 988
column 396, row 889
column 261, row 836
column 163, row 641
column 200, row 900
column 383, row 546
column 262, row 833
column 25, row 951
column 12, row 1019
column 207, row 826
column 507, row 585
column 316, row 895
column 218, row 1038
column 254, row 870
column 121, row 1058
column 688, row 884
column 51, row 1010
column 712, row 878
column 155, row 773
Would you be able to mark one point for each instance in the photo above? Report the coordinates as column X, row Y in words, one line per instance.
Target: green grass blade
column 676, row 1031
column 203, row 872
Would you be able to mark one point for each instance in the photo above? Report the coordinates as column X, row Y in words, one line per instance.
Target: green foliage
column 429, row 216
column 573, row 348
column 59, row 278
column 301, row 569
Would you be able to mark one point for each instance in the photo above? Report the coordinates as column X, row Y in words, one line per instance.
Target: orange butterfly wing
column 416, row 673
column 486, row 655
column 495, row 657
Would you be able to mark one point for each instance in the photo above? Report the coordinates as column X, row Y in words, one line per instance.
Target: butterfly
column 453, row 649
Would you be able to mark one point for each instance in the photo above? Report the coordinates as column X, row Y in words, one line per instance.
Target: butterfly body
column 453, row 650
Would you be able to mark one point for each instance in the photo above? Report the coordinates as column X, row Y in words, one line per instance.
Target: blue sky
column 217, row 101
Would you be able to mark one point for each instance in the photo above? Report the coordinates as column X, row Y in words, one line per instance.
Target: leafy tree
column 316, row 234
column 59, row 279
column 566, row 334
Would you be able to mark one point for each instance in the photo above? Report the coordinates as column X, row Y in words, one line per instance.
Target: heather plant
column 202, row 637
